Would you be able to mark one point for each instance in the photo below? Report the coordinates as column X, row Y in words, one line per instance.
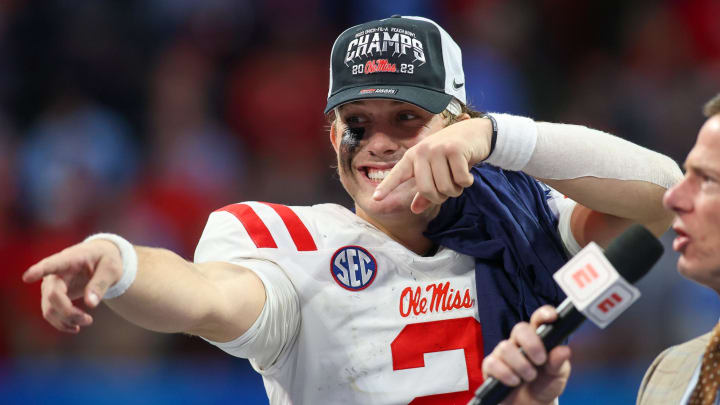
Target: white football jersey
column 379, row 323
column 351, row 316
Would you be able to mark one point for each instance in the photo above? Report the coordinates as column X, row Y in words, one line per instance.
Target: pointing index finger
column 56, row 263
column 36, row 272
column 402, row 172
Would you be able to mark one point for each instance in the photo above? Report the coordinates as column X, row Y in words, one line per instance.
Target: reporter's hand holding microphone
column 599, row 287
column 540, row 376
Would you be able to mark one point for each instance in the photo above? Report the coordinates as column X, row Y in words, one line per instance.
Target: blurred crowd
column 142, row 117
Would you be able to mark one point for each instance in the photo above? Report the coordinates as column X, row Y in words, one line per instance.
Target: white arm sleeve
column 276, row 328
column 562, row 151
column 273, row 333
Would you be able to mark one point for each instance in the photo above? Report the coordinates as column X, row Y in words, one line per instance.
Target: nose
column 380, row 143
column 678, row 198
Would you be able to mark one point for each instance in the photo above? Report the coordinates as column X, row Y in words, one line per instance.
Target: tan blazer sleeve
column 648, row 376
column 667, row 379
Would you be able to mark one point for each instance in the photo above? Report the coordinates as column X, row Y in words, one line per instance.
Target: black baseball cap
column 409, row 59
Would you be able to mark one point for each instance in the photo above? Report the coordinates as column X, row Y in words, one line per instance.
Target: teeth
column 377, row 174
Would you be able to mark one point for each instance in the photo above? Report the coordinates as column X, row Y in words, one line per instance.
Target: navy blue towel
column 504, row 221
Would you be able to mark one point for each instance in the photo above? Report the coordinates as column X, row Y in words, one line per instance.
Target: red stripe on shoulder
column 298, row 231
column 259, row 233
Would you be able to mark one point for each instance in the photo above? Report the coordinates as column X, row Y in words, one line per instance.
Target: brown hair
column 465, row 109
column 712, row 107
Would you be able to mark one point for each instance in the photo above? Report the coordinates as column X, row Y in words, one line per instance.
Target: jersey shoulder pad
column 242, row 230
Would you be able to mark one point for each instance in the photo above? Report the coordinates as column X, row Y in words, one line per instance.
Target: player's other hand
column 86, row 271
column 440, row 163
column 540, row 377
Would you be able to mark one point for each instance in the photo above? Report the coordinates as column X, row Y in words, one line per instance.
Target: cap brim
column 430, row 100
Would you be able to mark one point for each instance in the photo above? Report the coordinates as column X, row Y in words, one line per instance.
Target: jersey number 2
column 416, row 339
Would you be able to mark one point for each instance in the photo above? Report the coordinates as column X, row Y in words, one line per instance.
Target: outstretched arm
column 218, row 301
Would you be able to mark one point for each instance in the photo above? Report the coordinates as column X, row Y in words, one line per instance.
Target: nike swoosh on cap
column 457, row 85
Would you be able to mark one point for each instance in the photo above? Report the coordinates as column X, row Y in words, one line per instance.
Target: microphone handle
column 492, row 391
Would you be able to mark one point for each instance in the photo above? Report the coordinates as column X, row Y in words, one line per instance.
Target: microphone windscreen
column 634, row 252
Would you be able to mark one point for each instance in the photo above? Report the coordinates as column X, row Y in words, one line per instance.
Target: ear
column 333, row 136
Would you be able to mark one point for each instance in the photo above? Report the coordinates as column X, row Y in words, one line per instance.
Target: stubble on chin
column 701, row 270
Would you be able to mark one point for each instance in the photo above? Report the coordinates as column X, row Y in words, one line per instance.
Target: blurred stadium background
column 141, row 117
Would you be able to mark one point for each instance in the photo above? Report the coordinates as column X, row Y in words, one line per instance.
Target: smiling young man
column 398, row 300
column 389, row 129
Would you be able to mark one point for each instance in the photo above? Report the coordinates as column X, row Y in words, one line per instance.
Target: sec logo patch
column 353, row 267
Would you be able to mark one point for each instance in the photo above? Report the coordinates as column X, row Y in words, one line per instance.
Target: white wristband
column 515, row 143
column 129, row 263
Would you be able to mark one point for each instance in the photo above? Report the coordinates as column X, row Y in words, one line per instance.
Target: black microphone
column 632, row 254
